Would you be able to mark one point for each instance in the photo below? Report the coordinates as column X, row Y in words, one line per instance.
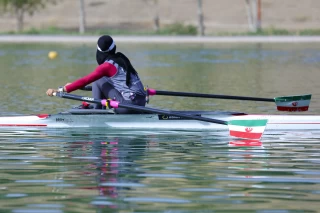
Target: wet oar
column 284, row 103
column 250, row 129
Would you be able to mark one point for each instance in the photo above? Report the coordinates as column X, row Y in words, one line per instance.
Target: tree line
column 19, row 8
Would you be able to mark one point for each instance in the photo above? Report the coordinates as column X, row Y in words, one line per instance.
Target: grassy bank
column 173, row 29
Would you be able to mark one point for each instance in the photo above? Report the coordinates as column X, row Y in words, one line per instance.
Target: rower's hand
column 51, row 91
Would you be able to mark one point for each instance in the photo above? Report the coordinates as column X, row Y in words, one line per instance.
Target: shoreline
column 158, row 39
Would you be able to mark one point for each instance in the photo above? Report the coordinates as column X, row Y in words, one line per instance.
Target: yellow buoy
column 52, row 54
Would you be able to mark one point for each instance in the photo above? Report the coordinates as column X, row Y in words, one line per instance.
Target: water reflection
column 109, row 162
column 99, row 171
column 70, row 171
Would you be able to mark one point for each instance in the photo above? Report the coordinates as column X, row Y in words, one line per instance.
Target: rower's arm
column 102, row 70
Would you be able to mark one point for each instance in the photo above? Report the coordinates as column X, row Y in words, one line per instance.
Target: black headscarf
column 105, row 47
column 106, row 50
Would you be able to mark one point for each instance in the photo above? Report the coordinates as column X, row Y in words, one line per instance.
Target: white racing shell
column 102, row 118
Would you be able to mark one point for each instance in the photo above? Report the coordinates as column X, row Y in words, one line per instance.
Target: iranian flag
column 248, row 129
column 293, row 103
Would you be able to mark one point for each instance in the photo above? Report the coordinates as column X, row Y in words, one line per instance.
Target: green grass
column 173, row 29
column 275, row 32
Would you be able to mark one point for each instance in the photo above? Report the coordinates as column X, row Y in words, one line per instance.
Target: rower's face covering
column 101, row 57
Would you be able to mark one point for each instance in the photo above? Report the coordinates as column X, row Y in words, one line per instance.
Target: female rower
column 114, row 78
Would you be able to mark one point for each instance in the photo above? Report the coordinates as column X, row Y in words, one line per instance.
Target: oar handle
column 152, row 92
column 87, row 88
column 78, row 97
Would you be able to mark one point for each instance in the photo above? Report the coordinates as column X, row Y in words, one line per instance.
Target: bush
column 310, row 32
column 32, row 31
column 49, row 30
column 179, row 29
column 273, row 31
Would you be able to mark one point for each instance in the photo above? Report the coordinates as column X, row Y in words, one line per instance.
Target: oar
column 249, row 129
column 284, row 103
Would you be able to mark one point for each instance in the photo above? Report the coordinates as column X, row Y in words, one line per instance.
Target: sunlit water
column 98, row 170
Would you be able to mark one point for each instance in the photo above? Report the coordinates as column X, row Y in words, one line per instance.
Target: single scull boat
column 240, row 125
column 107, row 119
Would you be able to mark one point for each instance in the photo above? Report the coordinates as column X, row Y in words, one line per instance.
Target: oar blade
column 293, row 103
column 247, row 129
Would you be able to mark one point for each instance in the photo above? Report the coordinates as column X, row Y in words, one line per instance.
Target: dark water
column 95, row 170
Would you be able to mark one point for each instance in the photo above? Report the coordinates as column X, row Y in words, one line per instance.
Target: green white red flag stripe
column 247, row 129
column 293, row 103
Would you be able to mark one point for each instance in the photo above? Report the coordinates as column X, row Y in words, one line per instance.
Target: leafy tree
column 19, row 7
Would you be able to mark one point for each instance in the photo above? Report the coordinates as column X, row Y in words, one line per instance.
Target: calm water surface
column 98, row 170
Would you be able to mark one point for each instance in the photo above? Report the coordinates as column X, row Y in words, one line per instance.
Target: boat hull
column 101, row 118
